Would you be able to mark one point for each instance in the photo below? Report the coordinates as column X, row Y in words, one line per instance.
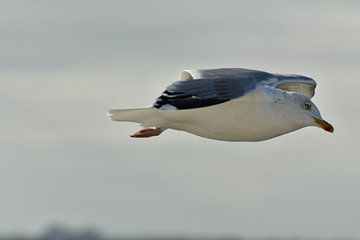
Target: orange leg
column 147, row 132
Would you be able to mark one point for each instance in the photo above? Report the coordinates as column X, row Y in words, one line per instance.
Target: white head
column 300, row 111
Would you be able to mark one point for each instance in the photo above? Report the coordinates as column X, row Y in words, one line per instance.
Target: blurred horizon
column 63, row 64
column 63, row 232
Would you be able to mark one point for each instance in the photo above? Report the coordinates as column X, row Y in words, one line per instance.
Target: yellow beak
column 324, row 125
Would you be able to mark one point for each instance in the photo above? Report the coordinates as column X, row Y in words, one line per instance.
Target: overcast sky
column 64, row 63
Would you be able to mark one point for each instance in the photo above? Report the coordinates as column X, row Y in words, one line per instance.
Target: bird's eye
column 307, row 106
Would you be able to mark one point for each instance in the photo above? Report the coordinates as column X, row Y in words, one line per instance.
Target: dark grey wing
column 187, row 94
column 288, row 82
column 206, row 87
column 200, row 93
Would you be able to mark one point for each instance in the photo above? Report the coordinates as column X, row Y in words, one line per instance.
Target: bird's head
column 305, row 113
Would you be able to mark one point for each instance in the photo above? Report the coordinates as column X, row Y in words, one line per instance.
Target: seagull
column 230, row 104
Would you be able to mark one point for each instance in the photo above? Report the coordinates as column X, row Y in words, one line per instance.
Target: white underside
column 249, row 118
column 262, row 114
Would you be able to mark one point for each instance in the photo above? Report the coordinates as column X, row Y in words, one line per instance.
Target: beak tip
column 329, row 129
column 325, row 125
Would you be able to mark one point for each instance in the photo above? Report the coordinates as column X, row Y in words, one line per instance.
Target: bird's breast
column 249, row 118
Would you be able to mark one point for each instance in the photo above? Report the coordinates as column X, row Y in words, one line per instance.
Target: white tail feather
column 146, row 116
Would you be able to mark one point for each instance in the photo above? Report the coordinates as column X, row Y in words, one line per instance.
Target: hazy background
column 64, row 63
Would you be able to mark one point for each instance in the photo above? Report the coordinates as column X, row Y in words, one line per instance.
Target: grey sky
column 64, row 63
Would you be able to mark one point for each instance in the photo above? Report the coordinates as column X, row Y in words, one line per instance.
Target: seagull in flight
column 230, row 104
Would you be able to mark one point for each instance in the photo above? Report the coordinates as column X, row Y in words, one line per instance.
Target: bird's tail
column 148, row 117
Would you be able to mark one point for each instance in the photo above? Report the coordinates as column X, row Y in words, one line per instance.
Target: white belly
column 250, row 118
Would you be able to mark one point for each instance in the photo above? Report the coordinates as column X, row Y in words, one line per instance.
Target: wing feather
column 201, row 88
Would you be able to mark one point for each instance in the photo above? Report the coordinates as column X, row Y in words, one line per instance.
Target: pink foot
column 147, row 132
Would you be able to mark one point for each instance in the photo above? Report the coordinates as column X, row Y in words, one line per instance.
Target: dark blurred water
column 61, row 233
